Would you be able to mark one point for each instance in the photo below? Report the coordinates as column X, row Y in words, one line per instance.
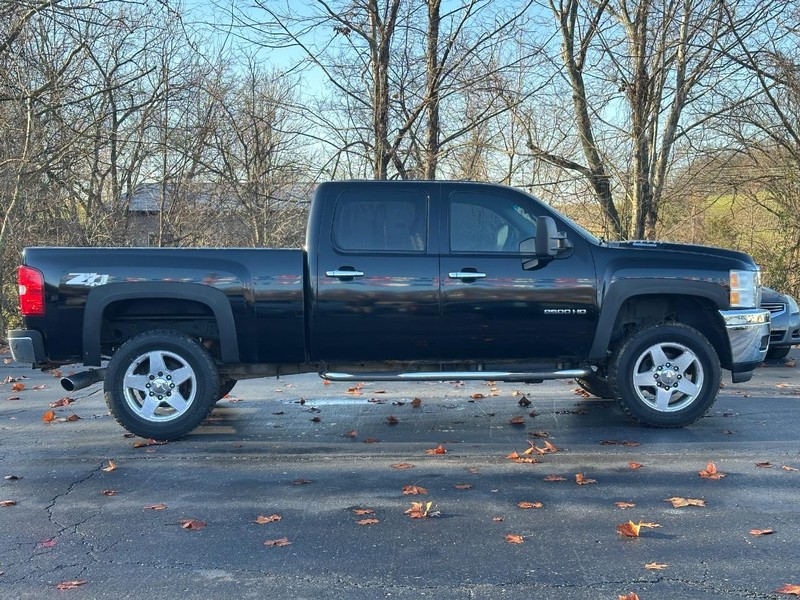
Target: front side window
column 481, row 223
column 395, row 221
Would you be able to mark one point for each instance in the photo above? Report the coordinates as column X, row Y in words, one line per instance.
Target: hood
column 694, row 249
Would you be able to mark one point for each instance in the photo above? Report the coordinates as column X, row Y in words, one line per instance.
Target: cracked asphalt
column 313, row 463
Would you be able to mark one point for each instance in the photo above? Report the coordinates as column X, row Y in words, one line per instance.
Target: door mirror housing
column 548, row 244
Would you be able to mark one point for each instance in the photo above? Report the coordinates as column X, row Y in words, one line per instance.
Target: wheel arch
column 631, row 304
column 102, row 300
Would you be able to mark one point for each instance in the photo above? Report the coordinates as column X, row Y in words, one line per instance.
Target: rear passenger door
column 377, row 295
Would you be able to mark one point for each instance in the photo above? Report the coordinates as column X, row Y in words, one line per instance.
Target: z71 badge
column 87, row 279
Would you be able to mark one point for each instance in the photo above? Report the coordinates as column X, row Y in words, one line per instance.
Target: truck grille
column 774, row 308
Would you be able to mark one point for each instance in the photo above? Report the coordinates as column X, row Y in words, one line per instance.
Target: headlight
column 745, row 289
column 793, row 308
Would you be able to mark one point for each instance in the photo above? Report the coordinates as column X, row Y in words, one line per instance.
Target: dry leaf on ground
column 762, row 531
column 790, row 589
column 530, row 505
column 581, row 480
column 679, row 502
column 263, row 520
column 514, row 539
column 71, row 585
column 710, row 472
column 193, row 524
column 367, row 522
column 279, row 543
column 654, row 566
column 414, row 490
column 438, row 450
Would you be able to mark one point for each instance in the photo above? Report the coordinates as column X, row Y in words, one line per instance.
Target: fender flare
column 101, row 297
column 622, row 290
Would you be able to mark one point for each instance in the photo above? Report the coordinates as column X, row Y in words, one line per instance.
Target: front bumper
column 748, row 334
column 27, row 346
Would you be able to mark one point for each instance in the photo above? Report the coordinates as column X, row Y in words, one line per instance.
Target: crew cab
column 400, row 280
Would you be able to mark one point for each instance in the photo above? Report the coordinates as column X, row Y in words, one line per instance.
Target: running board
column 458, row 376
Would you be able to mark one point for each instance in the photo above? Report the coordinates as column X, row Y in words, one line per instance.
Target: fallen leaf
column 72, row 418
column 629, row 529
column 13, row 398
column 62, row 402
column 363, row 511
column 581, row 480
column 109, row 492
column 555, row 478
column 679, row 502
column 629, row 596
column 654, row 566
column 39, row 387
column 301, row 482
column 193, row 524
column 540, row 434
column 402, row 466
column 477, row 396
column 371, row 440
column 514, row 539
column 353, row 433
column 526, row 505
column 391, row 420
column 517, row 420
column 111, row 466
column 710, row 472
column 263, row 520
column 71, row 585
column 413, row 490
column 420, row 510
column 161, row 506
column 8, row 503
column 790, row 589
column 764, row 465
column 17, row 387
column 463, row 486
column 48, row 543
column 148, row 442
column 416, row 403
column 788, row 468
column 367, row 522
column 438, row 450
column 624, row 505
column 279, row 543
column 524, row 402
column 12, row 477
column 762, row 531
column 49, row 416
column 635, row 465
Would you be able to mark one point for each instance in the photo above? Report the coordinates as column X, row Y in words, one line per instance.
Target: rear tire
column 161, row 384
column 667, row 375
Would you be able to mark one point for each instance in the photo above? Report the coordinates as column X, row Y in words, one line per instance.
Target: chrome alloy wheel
column 159, row 386
column 668, row 377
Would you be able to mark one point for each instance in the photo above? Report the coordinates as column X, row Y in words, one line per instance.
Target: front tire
column 667, row 375
column 161, row 384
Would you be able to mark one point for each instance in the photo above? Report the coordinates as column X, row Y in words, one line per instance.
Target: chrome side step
column 457, row 376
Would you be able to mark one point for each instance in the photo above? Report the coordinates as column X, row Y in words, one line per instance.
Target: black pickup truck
column 406, row 280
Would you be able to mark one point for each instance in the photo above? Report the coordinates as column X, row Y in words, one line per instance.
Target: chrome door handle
column 340, row 273
column 466, row 275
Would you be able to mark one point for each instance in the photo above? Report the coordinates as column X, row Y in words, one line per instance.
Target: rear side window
column 396, row 221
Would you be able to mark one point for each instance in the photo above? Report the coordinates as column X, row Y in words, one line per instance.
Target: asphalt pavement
column 326, row 467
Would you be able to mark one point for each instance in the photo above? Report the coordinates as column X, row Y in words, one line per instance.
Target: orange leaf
column 71, row 585
column 477, row 396
column 530, row 505
column 193, row 524
column 161, row 506
column 17, row 387
column 581, row 480
column 629, row 529
column 402, row 466
column 371, row 440
column 5, row 503
column 49, row 416
column 624, row 505
column 762, row 531
column 635, row 465
column 514, row 539
column 279, row 543
column 513, row 456
column 629, row 596
column 555, row 478
column 367, row 522
column 711, row 472
column 62, row 402
column 654, row 566
column 353, row 433
column 413, row 490
column 679, row 502
column 518, row 421
column 363, row 511
column 788, row 468
column 263, row 520
column 463, row 486
column 438, row 450
column 416, row 402
column 420, row 510
column 790, row 589
column 111, row 466
column 391, row 420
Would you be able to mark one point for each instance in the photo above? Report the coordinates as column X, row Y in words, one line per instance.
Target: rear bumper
column 27, row 346
column 748, row 334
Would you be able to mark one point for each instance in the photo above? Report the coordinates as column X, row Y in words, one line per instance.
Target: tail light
column 31, row 291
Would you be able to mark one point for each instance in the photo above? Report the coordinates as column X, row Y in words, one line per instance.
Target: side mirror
column 546, row 246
